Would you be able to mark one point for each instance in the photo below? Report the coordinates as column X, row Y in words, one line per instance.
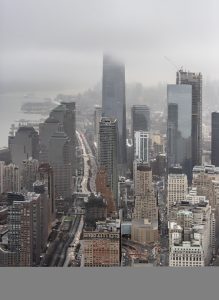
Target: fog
column 58, row 44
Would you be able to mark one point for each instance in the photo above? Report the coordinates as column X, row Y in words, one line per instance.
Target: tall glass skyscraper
column 215, row 139
column 114, row 101
column 195, row 80
column 179, row 127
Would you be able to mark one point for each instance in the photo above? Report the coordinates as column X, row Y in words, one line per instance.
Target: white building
column 141, row 145
column 192, row 234
column 187, row 255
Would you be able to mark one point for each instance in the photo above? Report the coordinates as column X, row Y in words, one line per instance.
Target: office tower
column 177, row 189
column 145, row 200
column 114, row 102
column 140, row 115
column 23, row 230
column 28, row 172
column 97, row 118
column 46, row 130
column 101, row 247
column 195, row 80
column 95, row 210
column 141, row 146
column 39, row 187
column 65, row 113
column 46, row 176
column 24, row 144
column 108, row 156
column 105, row 191
column 60, row 160
column 5, row 155
column 9, row 178
column 215, row 138
column 179, row 127
column 192, row 232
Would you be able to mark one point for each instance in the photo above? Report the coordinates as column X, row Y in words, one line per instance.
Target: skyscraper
column 195, row 80
column 145, row 200
column 114, row 100
column 108, row 155
column 97, row 118
column 179, row 127
column 46, row 130
column 215, row 139
column 9, row 178
column 140, row 118
column 60, row 160
column 65, row 113
column 24, row 144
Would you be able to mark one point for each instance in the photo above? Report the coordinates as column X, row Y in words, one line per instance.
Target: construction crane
column 173, row 64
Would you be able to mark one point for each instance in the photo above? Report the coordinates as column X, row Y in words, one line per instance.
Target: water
column 10, row 111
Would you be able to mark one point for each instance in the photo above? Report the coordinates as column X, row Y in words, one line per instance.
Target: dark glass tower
column 215, row 139
column 114, row 101
column 195, row 80
column 179, row 127
column 140, row 118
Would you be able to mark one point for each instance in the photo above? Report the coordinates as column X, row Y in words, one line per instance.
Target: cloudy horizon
column 59, row 45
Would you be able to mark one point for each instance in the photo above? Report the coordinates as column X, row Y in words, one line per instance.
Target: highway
column 90, row 167
column 87, row 186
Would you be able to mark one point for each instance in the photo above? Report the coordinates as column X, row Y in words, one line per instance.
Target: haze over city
column 109, row 141
column 57, row 45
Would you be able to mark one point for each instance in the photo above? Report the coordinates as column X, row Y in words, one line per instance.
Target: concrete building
column 191, row 233
column 28, row 171
column 114, row 101
column 46, row 176
column 60, row 161
column 39, row 187
column 177, row 189
column 46, row 130
column 145, row 200
column 188, row 254
column 105, row 191
column 141, row 146
column 9, row 178
column 205, row 179
column 24, row 231
column 195, row 80
column 108, row 152
column 24, row 144
column 65, row 113
column 101, row 247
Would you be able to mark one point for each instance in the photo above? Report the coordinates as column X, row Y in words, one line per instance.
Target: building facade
column 141, row 146
column 108, row 153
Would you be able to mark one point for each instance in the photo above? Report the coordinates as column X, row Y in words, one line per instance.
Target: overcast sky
column 58, row 44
